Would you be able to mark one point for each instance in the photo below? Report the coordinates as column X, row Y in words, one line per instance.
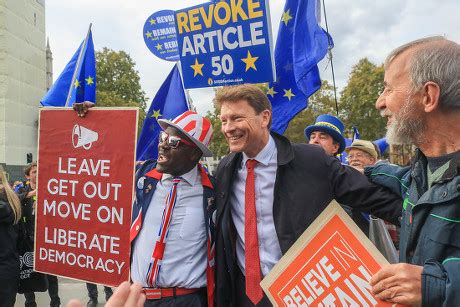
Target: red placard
column 329, row 265
column 85, row 193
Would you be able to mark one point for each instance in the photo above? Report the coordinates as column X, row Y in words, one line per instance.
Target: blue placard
column 160, row 35
column 224, row 43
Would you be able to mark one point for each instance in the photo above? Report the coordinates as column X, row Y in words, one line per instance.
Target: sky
column 360, row 28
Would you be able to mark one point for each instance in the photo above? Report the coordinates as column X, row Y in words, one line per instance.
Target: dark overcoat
column 306, row 181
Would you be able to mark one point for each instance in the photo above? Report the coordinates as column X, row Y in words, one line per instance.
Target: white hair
column 437, row 60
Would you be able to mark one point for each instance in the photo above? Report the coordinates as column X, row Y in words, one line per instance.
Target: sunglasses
column 173, row 141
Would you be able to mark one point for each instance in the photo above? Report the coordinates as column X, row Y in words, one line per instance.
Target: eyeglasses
column 173, row 141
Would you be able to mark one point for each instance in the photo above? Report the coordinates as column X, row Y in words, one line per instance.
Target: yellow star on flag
column 89, row 80
column 152, row 21
column 288, row 93
column 288, row 67
column 250, row 61
column 76, row 83
column 159, row 46
column 156, row 114
column 197, row 68
column 148, row 34
column 271, row 91
column 286, row 17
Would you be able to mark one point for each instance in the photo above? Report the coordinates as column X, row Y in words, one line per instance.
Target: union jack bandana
column 159, row 250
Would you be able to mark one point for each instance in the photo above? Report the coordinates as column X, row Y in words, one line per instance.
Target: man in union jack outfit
column 172, row 227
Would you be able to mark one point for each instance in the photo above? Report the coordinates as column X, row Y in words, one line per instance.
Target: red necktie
column 251, row 242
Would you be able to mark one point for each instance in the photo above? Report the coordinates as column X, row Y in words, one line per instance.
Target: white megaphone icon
column 83, row 137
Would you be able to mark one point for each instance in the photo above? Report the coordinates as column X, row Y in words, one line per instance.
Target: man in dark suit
column 270, row 191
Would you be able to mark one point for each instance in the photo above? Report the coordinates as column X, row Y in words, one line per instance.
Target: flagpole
column 187, row 95
column 74, row 76
column 329, row 51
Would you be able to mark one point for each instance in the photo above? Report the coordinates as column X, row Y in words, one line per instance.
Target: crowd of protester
column 228, row 232
column 17, row 218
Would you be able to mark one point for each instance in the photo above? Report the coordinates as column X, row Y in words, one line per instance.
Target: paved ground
column 68, row 289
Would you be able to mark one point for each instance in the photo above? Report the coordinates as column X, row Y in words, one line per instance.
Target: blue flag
column 356, row 135
column 344, row 156
column 382, row 144
column 169, row 102
column 300, row 45
column 77, row 82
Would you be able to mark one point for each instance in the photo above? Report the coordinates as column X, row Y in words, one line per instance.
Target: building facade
column 23, row 80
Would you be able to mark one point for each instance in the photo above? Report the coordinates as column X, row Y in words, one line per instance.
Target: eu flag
column 382, row 144
column 77, row 82
column 300, row 45
column 169, row 102
column 344, row 156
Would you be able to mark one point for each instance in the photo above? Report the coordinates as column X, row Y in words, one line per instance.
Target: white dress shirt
column 184, row 261
column 265, row 175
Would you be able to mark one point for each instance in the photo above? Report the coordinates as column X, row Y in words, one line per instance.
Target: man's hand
column 125, row 295
column 82, row 107
column 399, row 283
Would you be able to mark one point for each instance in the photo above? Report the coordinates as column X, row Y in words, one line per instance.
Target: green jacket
column 430, row 226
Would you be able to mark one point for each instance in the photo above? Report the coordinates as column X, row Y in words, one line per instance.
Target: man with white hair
column 421, row 100
column 361, row 153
